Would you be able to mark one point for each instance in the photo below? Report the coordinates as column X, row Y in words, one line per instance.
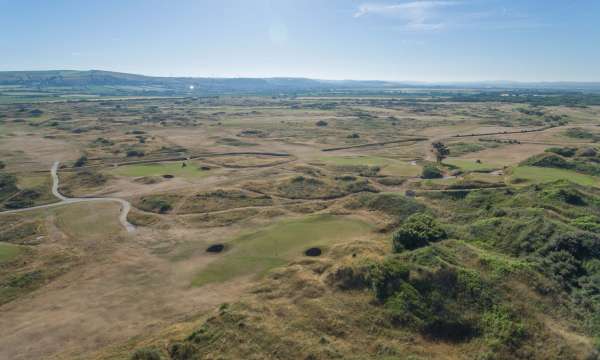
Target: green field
column 541, row 175
column 192, row 170
column 8, row 252
column 259, row 251
column 388, row 166
column 472, row 165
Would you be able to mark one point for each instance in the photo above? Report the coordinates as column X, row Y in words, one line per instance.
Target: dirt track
column 125, row 205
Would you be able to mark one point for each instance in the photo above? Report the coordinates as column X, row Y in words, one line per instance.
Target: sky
column 401, row 40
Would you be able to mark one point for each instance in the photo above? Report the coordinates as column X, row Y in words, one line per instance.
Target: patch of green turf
column 192, row 170
column 259, row 251
column 472, row 165
column 8, row 252
column 540, row 174
column 388, row 166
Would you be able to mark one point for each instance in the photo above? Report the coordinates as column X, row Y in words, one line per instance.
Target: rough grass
column 192, row 170
column 8, row 252
column 388, row 166
column 259, row 251
column 542, row 175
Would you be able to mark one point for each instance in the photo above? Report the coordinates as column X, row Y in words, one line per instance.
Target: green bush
column 182, row 351
column 432, row 305
column 566, row 152
column 387, row 277
column 417, row 231
column 23, row 199
column 156, row 205
column 579, row 133
column 407, row 307
column 431, row 172
column 569, row 196
column 548, row 160
column 502, row 328
column 8, row 185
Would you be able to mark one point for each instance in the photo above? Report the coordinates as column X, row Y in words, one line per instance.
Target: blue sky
column 427, row 40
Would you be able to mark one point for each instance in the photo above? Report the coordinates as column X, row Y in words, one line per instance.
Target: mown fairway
column 259, row 251
column 191, row 170
column 542, row 175
column 472, row 165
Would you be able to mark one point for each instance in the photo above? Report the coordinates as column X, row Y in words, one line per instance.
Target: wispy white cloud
column 409, row 8
column 433, row 15
column 416, row 15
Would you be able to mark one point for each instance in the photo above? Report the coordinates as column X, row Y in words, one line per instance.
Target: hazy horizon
column 423, row 82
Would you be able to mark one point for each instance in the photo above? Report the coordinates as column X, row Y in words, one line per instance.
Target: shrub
column 417, row 231
column 502, row 328
column 8, row 185
column 387, row 277
column 548, row 160
column 569, row 196
column 36, row 112
column 156, row 205
column 321, row 123
column 579, row 133
column 81, row 161
column 429, row 302
column 23, row 199
column 182, row 351
column 146, row 354
column 407, row 307
column 562, row 267
column 581, row 245
column 132, row 153
column 566, row 152
column 587, row 223
column 431, row 172
column 588, row 152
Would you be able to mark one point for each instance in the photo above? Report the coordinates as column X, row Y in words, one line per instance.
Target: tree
column 441, row 151
column 431, row 172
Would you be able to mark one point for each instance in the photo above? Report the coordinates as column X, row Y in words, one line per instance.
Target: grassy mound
column 527, row 263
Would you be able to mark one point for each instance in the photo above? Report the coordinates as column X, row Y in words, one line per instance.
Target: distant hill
column 75, row 78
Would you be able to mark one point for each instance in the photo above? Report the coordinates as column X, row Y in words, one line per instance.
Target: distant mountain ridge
column 87, row 78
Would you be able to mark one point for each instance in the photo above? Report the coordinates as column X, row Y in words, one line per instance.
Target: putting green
column 541, row 174
column 192, row 170
column 259, row 251
column 388, row 166
column 8, row 252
